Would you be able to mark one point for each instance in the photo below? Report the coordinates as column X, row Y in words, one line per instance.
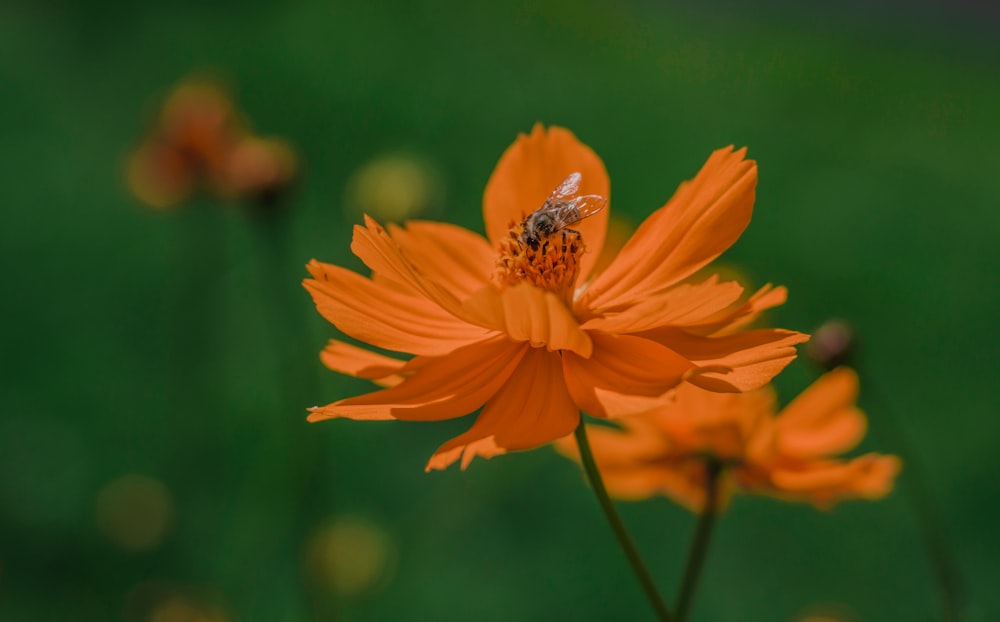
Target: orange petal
column 763, row 299
column 823, row 419
column 686, row 483
column 866, row 477
column 465, row 449
column 877, row 475
column 684, row 305
column 527, row 173
column 385, row 317
column 697, row 409
column 442, row 387
column 718, row 424
column 531, row 409
column 733, row 363
column 458, row 259
column 535, row 405
column 637, row 483
column 623, row 376
column 159, row 174
column 639, row 441
column 373, row 245
column 528, row 313
column 631, row 464
column 640, row 463
column 703, row 219
column 682, row 480
column 348, row 359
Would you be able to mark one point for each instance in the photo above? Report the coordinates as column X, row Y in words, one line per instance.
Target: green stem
column 624, row 539
column 917, row 494
column 699, row 546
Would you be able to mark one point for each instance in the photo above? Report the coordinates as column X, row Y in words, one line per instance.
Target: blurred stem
column 295, row 380
column 624, row 539
column 917, row 494
column 271, row 459
column 285, row 469
column 197, row 317
column 699, row 546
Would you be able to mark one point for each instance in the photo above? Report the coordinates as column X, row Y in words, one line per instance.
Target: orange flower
column 200, row 140
column 527, row 333
column 668, row 450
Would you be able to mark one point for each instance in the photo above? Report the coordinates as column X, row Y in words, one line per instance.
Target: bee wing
column 588, row 205
column 566, row 189
column 566, row 213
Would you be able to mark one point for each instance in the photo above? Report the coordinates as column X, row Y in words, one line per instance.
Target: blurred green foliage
column 178, row 344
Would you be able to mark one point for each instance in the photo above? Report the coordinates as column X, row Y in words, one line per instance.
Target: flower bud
column 832, row 344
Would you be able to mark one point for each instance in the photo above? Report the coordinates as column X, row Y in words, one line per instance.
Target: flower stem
column 624, row 539
column 917, row 494
column 699, row 546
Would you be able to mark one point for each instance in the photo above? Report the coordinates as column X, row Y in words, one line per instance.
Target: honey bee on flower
column 525, row 330
column 560, row 211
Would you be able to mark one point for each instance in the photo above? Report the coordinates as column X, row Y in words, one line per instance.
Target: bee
column 559, row 211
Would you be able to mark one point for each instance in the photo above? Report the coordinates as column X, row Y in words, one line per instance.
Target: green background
column 179, row 344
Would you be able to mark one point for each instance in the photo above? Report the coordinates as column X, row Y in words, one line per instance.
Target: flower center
column 551, row 262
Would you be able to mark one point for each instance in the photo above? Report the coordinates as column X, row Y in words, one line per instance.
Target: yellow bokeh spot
column 165, row 601
column 180, row 609
column 392, row 188
column 831, row 612
column 135, row 512
column 350, row 556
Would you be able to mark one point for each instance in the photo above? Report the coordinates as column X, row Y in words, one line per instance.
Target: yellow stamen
column 554, row 266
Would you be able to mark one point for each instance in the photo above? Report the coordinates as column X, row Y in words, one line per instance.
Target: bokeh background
column 155, row 464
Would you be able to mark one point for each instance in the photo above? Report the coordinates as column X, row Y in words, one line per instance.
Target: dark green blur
column 179, row 345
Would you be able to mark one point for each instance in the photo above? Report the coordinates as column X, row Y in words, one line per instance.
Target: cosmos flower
column 668, row 450
column 522, row 328
column 201, row 142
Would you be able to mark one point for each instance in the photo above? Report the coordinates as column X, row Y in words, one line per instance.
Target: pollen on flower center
column 554, row 265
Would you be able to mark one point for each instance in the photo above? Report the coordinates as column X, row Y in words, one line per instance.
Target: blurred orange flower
column 525, row 331
column 668, row 450
column 200, row 141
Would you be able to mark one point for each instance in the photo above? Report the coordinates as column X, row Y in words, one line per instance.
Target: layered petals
column 637, row 463
column 624, row 375
column 683, row 482
column 527, row 313
column 791, row 455
column 385, row 317
column 683, row 306
column 514, row 324
column 622, row 447
column 531, row 409
column 733, row 363
column 763, row 299
column 823, row 419
column 374, row 246
column 704, row 217
column 354, row 361
column 458, row 259
column 439, row 388
column 527, row 173
column 866, row 477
